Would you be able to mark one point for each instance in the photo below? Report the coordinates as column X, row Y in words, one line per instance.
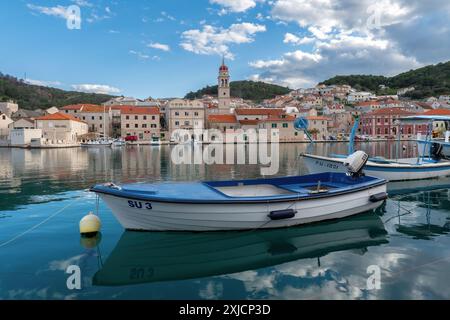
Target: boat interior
column 321, row 183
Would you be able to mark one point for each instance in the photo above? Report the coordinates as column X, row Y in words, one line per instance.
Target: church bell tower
column 224, row 88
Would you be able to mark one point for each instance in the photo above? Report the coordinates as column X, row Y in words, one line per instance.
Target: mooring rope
column 37, row 225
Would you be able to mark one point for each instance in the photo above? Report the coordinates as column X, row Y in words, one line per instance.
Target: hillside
column 34, row 97
column 247, row 90
column 432, row 80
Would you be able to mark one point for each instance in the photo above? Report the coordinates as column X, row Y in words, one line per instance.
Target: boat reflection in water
column 408, row 187
column 141, row 257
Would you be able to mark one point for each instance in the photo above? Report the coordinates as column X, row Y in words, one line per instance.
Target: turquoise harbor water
column 43, row 195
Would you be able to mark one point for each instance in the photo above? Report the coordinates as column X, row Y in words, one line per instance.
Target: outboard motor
column 436, row 151
column 355, row 163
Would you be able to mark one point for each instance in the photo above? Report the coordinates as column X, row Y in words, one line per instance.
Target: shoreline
column 164, row 143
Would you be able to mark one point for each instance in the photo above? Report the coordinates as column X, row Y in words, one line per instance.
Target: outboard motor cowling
column 355, row 163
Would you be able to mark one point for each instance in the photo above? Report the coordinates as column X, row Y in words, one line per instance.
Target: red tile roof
column 258, row 111
column 222, row 118
column 78, row 106
column 248, row 122
column 140, row 110
column 94, row 109
column 59, row 116
column 367, row 103
column 437, row 112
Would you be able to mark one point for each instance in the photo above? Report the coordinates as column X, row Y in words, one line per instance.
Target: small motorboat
column 245, row 204
column 97, row 143
column 424, row 166
column 118, row 143
column 144, row 257
column 155, row 141
column 389, row 169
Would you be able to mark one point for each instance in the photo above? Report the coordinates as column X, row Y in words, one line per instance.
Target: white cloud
column 213, row 40
column 346, row 14
column 96, row 88
column 139, row 54
column 345, row 40
column 292, row 38
column 343, row 54
column 159, row 46
column 235, row 5
column 43, row 83
column 83, row 3
column 168, row 16
column 57, row 11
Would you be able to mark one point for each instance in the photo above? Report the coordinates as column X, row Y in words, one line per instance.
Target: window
column 101, row 118
column 386, row 131
column 136, row 125
column 101, row 126
column 186, row 113
column 127, row 125
column 153, row 125
column 127, row 117
column 177, row 113
column 93, row 118
column 144, row 125
column 196, row 114
column 153, row 117
column 285, row 125
column 274, row 125
column 378, row 120
column 84, row 118
column 136, row 117
column 144, row 117
column 177, row 123
column 186, row 123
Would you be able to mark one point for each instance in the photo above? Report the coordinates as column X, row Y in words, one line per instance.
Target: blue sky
column 166, row 48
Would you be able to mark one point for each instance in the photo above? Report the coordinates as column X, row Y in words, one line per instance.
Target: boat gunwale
column 376, row 182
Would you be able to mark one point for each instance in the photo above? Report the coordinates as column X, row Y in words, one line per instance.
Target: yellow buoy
column 90, row 225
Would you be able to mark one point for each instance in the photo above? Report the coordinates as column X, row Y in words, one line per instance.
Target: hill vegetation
column 33, row 97
column 247, row 90
column 432, row 80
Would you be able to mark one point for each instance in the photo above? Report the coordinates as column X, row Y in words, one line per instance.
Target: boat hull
column 389, row 172
column 163, row 216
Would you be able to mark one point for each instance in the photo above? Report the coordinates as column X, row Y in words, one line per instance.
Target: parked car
column 131, row 138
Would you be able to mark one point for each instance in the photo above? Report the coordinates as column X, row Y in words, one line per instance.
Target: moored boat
column 97, row 143
column 424, row 166
column 243, row 204
column 155, row 141
column 391, row 170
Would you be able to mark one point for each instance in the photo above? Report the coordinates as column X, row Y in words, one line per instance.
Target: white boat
column 243, row 204
column 118, row 143
column 391, row 170
column 145, row 257
column 421, row 167
column 97, row 143
column 155, row 141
